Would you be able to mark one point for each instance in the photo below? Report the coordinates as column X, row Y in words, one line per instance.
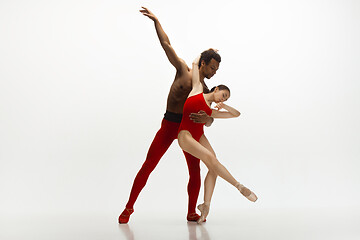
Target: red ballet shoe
column 193, row 217
column 125, row 215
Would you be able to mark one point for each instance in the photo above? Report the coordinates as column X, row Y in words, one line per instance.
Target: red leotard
column 193, row 105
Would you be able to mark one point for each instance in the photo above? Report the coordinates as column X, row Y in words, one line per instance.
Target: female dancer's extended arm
column 229, row 113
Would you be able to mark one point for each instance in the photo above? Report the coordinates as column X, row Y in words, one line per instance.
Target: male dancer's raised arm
column 177, row 62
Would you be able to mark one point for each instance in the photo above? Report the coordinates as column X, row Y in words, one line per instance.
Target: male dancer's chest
column 178, row 94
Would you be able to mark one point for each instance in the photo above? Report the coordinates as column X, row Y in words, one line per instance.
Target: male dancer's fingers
column 197, row 120
column 147, row 13
column 199, row 117
column 201, row 113
column 194, row 119
column 145, row 10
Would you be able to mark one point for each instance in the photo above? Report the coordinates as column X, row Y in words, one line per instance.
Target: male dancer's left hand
column 201, row 117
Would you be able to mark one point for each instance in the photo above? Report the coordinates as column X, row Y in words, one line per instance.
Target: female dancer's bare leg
column 210, row 179
column 205, row 153
column 190, row 145
column 209, row 183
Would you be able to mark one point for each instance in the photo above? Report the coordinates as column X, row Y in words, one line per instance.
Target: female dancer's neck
column 209, row 97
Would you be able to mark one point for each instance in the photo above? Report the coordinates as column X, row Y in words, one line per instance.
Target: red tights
column 162, row 141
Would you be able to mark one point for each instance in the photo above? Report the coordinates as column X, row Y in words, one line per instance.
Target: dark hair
column 208, row 55
column 221, row 87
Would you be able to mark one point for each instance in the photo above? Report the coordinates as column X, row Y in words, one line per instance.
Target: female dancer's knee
column 212, row 172
column 210, row 161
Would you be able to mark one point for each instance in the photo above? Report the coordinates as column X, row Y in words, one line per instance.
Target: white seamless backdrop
column 83, row 88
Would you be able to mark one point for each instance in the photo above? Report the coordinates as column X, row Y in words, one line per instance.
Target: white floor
column 289, row 225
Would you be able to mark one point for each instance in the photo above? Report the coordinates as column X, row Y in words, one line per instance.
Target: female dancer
column 192, row 140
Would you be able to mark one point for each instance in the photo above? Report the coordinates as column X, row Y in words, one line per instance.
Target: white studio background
column 83, row 88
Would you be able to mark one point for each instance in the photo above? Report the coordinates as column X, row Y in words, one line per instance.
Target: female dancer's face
column 221, row 95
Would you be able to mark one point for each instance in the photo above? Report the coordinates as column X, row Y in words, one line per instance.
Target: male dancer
column 179, row 91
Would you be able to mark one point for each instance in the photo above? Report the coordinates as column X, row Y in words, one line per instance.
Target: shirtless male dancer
column 168, row 132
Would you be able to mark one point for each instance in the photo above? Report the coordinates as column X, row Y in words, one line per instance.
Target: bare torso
column 179, row 91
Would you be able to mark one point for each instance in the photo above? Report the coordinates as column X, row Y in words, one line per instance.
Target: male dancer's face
column 210, row 69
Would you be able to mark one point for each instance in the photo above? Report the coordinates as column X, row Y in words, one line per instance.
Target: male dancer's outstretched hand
column 148, row 13
column 201, row 117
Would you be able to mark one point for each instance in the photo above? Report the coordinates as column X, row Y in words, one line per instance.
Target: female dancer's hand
column 229, row 113
column 219, row 105
column 215, row 50
column 196, row 61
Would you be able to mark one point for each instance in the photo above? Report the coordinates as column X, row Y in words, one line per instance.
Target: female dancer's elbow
column 237, row 114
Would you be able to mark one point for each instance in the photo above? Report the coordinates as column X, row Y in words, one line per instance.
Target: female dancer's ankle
column 204, row 209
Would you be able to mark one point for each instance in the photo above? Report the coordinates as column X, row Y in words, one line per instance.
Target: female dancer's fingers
column 219, row 106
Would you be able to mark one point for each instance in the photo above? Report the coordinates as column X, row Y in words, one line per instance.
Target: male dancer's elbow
column 165, row 45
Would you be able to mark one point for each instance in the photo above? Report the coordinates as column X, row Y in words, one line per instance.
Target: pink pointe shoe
column 204, row 209
column 246, row 192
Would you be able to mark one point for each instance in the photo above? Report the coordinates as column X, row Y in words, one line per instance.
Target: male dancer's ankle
column 125, row 215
